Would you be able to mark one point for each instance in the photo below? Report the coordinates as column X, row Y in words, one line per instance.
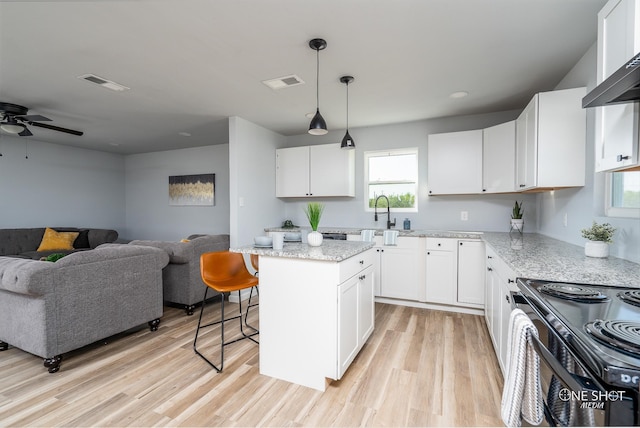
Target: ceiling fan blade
column 56, row 128
column 34, row 117
column 25, row 133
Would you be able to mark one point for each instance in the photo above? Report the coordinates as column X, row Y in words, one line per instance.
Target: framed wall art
column 197, row 189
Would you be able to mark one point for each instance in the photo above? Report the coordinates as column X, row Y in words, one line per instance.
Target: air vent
column 103, row 82
column 284, row 82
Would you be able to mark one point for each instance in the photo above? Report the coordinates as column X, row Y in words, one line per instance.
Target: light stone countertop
column 334, row 251
column 416, row 233
column 539, row 257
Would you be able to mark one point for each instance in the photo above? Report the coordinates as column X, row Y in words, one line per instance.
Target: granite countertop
column 416, row 233
column 539, row 257
column 334, row 251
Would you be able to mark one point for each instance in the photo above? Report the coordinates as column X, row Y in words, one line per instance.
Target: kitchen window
column 623, row 194
column 393, row 173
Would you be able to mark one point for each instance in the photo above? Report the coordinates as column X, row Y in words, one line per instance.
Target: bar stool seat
column 225, row 272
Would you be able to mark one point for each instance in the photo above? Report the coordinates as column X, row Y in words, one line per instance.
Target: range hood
column 623, row 86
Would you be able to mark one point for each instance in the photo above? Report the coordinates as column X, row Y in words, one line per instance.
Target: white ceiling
column 190, row 64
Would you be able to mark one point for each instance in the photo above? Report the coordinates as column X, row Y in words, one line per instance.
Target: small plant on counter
column 314, row 212
column 517, row 212
column 599, row 232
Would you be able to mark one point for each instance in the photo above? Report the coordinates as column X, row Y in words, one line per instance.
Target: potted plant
column 599, row 236
column 517, row 222
column 314, row 212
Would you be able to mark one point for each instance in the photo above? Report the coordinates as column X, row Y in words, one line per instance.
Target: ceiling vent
column 103, row 82
column 284, row 82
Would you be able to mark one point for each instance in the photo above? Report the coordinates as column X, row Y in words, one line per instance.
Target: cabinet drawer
column 446, row 244
column 355, row 264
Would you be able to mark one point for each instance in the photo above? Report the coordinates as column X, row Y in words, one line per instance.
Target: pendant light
column 317, row 126
column 347, row 141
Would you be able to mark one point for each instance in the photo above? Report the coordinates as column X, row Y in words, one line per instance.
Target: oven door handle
column 562, row 373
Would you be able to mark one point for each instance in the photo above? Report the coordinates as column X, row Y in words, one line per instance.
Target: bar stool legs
column 222, row 322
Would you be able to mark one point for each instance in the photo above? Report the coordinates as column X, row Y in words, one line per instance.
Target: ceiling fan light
column 318, row 126
column 347, row 142
column 12, row 128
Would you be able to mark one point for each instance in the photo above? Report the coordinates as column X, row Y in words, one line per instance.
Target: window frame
column 391, row 152
column 609, row 209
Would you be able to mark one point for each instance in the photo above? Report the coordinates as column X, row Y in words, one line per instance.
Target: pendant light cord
column 318, row 79
column 347, row 106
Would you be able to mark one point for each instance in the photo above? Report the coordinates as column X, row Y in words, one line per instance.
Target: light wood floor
column 419, row 368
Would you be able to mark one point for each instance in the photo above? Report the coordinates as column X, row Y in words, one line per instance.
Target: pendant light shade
column 317, row 126
column 347, row 141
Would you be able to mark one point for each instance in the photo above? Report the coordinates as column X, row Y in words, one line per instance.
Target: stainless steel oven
column 585, row 380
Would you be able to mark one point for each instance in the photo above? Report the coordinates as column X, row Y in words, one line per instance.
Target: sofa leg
column 153, row 325
column 53, row 364
column 3, row 346
column 189, row 309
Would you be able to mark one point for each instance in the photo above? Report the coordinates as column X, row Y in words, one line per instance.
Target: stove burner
column 631, row 296
column 618, row 334
column 575, row 292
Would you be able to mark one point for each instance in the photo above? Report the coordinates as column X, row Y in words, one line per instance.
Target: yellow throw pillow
column 185, row 240
column 53, row 240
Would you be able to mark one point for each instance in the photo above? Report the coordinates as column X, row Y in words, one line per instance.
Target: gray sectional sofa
column 24, row 243
column 182, row 282
column 48, row 309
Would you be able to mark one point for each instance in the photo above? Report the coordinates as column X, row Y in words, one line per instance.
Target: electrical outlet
column 565, row 220
column 241, row 201
column 464, row 215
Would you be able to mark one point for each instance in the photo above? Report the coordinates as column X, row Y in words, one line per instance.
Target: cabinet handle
column 507, row 299
column 377, row 250
column 428, row 253
column 461, row 244
column 489, row 257
column 490, row 270
column 620, row 158
column 484, row 190
column 439, row 245
column 510, row 281
column 522, row 185
column 361, row 262
column 362, row 277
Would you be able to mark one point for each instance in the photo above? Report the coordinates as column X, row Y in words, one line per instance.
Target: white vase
column 314, row 239
column 517, row 224
column 598, row 249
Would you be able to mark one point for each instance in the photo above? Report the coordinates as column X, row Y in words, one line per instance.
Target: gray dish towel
column 522, row 393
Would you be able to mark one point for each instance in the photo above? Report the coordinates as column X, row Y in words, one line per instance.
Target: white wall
column 59, row 186
column 148, row 213
column 252, row 160
column 486, row 212
column 584, row 205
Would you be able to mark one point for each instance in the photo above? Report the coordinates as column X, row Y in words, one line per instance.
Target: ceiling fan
column 14, row 120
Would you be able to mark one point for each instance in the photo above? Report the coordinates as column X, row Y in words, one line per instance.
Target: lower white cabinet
column 471, row 268
column 355, row 316
column 455, row 272
column 500, row 282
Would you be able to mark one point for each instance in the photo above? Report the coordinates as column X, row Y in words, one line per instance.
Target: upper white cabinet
column 454, row 163
column 616, row 128
column 315, row 171
column 550, row 141
column 499, row 158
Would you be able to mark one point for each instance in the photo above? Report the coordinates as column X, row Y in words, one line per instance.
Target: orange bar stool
column 225, row 272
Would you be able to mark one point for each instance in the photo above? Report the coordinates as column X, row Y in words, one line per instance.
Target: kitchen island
column 316, row 309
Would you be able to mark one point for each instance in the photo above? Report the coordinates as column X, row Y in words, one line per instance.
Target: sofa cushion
column 82, row 241
column 53, row 240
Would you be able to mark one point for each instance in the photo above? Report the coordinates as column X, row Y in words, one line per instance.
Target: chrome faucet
column 375, row 212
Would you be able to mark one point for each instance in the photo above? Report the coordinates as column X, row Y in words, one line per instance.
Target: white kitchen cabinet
column 550, row 141
column 500, row 282
column 311, row 333
column 499, row 158
column 471, row 268
column 442, row 272
column 454, row 163
column 355, row 316
column 400, row 273
column 616, row 126
column 315, row 171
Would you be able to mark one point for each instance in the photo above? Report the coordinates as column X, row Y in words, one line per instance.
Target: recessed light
column 184, row 134
column 459, row 94
column 310, row 115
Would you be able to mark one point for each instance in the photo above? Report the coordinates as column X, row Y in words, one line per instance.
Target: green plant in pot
column 313, row 212
column 517, row 222
column 599, row 237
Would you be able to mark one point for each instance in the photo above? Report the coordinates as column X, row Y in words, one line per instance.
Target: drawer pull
column 490, row 270
column 510, row 281
column 361, row 262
